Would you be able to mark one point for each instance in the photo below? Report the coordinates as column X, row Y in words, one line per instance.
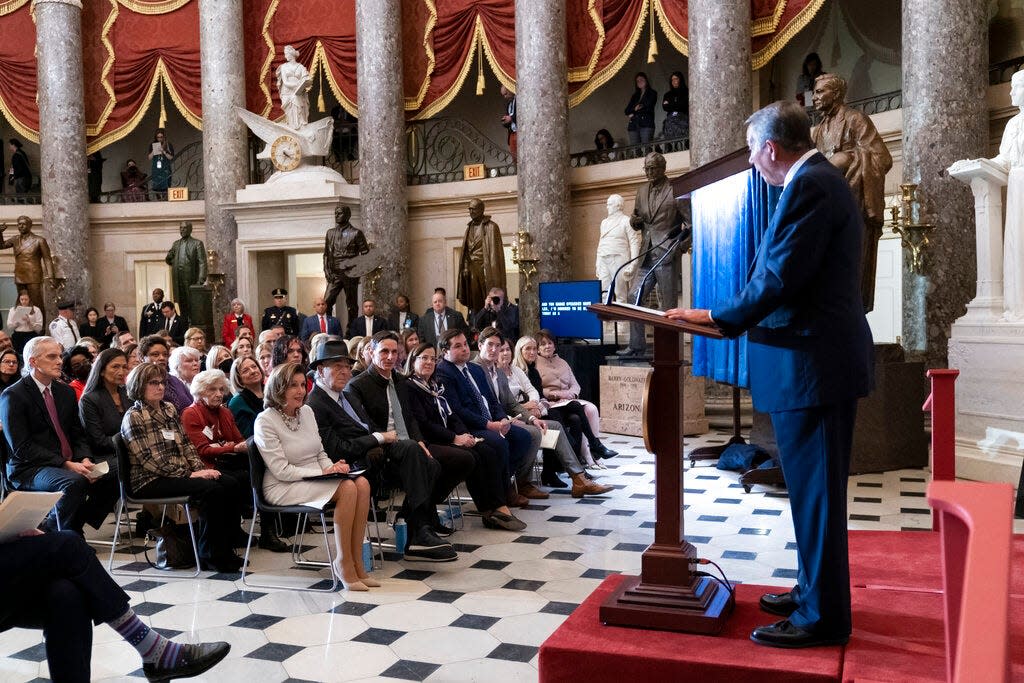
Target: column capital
column 73, row 3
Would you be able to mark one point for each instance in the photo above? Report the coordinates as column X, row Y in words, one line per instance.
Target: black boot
column 599, row 450
column 269, row 540
column 551, row 479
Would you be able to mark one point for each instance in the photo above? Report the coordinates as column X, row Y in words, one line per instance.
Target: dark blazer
column 412, row 321
column 504, row 396
column 31, row 436
column 809, row 340
column 342, row 437
column 120, row 323
column 311, row 326
column 428, row 417
column 370, row 390
column 102, row 420
column 644, row 117
column 357, row 326
column 427, row 329
column 460, row 395
column 179, row 326
column 151, row 319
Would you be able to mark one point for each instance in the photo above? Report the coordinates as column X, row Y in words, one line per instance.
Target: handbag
column 172, row 547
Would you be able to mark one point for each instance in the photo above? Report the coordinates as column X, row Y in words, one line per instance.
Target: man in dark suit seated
column 402, row 318
column 49, row 448
column 470, row 396
column 319, row 321
column 811, row 358
column 369, row 323
column 350, row 432
column 174, row 324
column 438, row 319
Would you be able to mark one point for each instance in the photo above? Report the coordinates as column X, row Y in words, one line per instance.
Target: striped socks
column 153, row 647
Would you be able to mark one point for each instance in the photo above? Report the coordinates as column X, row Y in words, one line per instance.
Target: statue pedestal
column 622, row 391
column 200, row 308
column 304, row 182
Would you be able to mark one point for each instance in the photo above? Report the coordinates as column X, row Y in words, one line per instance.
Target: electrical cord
column 724, row 581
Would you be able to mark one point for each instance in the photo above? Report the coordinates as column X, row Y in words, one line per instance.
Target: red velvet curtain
column 18, row 69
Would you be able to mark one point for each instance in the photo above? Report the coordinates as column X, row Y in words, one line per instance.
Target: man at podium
column 811, row 358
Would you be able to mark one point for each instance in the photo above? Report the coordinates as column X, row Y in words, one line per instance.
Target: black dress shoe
column 599, row 450
column 499, row 520
column 195, row 660
column 784, row 634
column 552, row 480
column 782, row 604
column 272, row 542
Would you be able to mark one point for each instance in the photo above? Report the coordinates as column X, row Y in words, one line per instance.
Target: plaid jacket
column 150, row 453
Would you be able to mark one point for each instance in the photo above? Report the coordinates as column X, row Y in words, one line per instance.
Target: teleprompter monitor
column 563, row 309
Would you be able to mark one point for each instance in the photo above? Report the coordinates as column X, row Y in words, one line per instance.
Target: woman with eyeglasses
column 76, row 366
column 164, row 463
column 10, row 368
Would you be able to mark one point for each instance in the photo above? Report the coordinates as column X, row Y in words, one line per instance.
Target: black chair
column 124, row 480
column 5, row 485
column 257, row 468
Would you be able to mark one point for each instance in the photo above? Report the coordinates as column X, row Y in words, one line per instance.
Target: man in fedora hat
column 281, row 314
column 348, row 432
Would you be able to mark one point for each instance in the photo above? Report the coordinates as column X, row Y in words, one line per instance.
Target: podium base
column 702, row 607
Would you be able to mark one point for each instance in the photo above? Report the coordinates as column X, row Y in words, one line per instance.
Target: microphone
column 673, row 234
column 681, row 235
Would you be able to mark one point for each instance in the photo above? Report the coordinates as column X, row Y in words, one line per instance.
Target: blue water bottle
column 367, row 555
column 401, row 536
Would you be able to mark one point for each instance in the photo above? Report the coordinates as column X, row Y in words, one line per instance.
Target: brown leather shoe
column 517, row 500
column 530, row 491
column 581, row 486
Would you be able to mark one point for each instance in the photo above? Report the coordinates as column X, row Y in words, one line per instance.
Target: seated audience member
column 25, row 321
column 247, row 385
column 122, row 340
column 363, row 354
column 471, row 398
column 54, row 582
column 368, row 323
column 408, row 340
column 75, row 369
column 5, row 342
column 134, row 186
column 438, row 319
column 219, row 358
column 163, row 466
column 498, row 312
column 103, row 405
column 401, row 317
column 490, row 352
column 246, row 333
column 196, row 339
column 184, row 363
column 286, row 434
column 173, row 324
column 442, row 429
column 241, row 348
column 604, row 144
column 317, row 340
column 349, row 433
column 10, row 369
column 63, row 328
column 319, row 322
column 91, row 345
column 234, row 320
column 561, row 388
column 288, row 349
column 155, row 350
column 49, row 449
column 91, row 326
column 384, row 395
column 210, row 427
column 264, row 356
column 131, row 352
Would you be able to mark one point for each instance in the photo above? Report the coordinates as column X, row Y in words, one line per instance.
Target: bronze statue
column 32, row 261
column 344, row 242
column 849, row 140
column 187, row 258
column 482, row 264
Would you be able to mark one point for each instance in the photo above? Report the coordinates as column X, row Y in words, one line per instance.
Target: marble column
column 542, row 117
column 945, row 118
column 720, row 77
column 62, row 142
column 382, row 149
column 225, row 137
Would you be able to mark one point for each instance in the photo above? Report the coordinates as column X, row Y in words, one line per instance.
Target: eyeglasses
column 156, row 383
column 9, row 361
column 427, row 359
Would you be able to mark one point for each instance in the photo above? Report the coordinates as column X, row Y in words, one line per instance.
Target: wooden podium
column 667, row 595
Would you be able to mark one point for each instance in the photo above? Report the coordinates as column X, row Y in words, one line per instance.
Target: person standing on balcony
column 640, row 111
column 161, row 153
column 677, row 108
column 19, row 175
column 509, row 120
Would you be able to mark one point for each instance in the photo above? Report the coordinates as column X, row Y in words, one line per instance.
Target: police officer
column 280, row 314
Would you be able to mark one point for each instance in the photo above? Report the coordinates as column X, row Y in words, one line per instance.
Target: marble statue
column 187, row 258
column 849, row 140
column 293, row 86
column 32, row 260
column 1011, row 160
column 344, row 243
column 482, row 264
column 619, row 243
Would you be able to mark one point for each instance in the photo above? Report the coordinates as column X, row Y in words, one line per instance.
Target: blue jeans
column 640, row 136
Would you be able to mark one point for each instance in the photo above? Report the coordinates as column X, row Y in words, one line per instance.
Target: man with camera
column 498, row 312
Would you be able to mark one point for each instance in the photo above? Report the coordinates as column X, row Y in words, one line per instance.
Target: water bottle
column 367, row 555
column 401, row 536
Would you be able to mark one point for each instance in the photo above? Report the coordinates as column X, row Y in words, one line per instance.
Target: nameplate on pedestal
column 177, row 194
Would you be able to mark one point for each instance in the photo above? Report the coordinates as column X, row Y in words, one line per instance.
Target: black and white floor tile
column 483, row 617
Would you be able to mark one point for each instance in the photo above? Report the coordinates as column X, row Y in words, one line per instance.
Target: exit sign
column 474, row 172
column 177, row 194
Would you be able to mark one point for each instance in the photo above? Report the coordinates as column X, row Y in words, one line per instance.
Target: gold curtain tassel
column 652, row 49
column 480, row 68
column 163, row 110
column 320, row 106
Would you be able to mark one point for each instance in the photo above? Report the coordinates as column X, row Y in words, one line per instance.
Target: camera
column 496, row 300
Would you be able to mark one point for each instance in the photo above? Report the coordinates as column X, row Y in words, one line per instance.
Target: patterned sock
column 152, row 647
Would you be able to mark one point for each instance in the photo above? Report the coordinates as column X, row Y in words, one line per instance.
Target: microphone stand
column 610, row 299
column 668, row 252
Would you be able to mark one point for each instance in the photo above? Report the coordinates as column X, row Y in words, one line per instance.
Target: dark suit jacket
column 428, row 418
column 31, row 436
column 412, row 321
column 178, row 328
column 102, row 420
column 102, row 323
column 370, row 390
column 504, row 396
column 460, row 395
column 427, row 329
column 342, row 437
column 357, row 326
column 311, row 326
column 809, row 340
column 151, row 319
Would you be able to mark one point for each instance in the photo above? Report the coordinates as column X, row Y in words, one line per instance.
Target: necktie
column 323, row 324
column 167, row 324
column 51, row 408
column 396, row 411
column 481, row 402
column 439, row 325
column 351, row 412
column 73, row 334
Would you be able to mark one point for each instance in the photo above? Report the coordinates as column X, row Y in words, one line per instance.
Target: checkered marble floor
column 483, row 617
